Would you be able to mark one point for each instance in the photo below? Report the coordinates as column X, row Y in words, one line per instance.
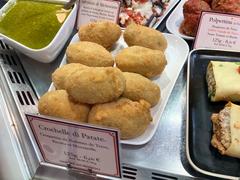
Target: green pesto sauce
column 33, row 24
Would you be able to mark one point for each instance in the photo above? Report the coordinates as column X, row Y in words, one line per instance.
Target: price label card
column 81, row 147
column 94, row 10
column 218, row 31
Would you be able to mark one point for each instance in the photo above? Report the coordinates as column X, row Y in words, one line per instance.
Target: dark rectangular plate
column 200, row 108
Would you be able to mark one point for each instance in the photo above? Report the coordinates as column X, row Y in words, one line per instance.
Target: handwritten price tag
column 218, row 31
column 94, row 10
column 81, row 147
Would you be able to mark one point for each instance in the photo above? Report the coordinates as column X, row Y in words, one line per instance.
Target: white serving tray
column 176, row 55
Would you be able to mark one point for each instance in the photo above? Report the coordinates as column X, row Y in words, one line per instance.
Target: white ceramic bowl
column 50, row 52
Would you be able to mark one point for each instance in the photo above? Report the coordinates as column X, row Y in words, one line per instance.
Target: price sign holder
column 81, row 148
column 88, row 173
column 219, row 31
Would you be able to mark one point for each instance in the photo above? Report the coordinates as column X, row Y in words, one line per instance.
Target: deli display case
column 162, row 157
column 158, row 159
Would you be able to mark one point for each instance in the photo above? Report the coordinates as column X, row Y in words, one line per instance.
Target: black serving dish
column 201, row 155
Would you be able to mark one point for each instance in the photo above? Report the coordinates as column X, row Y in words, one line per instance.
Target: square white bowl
column 50, row 52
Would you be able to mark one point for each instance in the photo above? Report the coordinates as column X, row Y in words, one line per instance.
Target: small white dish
column 174, row 21
column 176, row 55
column 50, row 52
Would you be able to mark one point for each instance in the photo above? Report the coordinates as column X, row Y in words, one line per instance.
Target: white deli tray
column 176, row 55
column 174, row 21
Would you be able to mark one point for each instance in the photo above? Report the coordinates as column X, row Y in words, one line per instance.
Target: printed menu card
column 94, row 10
column 218, row 31
column 79, row 146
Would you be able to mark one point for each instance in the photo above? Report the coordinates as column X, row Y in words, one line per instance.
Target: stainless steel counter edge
column 13, row 154
column 10, row 122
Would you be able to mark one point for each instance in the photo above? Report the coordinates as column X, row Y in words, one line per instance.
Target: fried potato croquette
column 96, row 84
column 89, row 54
column 60, row 74
column 138, row 87
column 105, row 33
column 58, row 104
column 130, row 117
column 144, row 36
column 141, row 60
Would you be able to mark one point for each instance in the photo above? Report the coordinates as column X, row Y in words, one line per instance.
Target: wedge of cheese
column 223, row 79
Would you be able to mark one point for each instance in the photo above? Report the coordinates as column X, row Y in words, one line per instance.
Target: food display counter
column 162, row 158
column 23, row 81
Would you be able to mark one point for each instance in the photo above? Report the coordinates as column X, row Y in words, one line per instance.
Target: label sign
column 82, row 147
column 218, row 31
column 95, row 10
